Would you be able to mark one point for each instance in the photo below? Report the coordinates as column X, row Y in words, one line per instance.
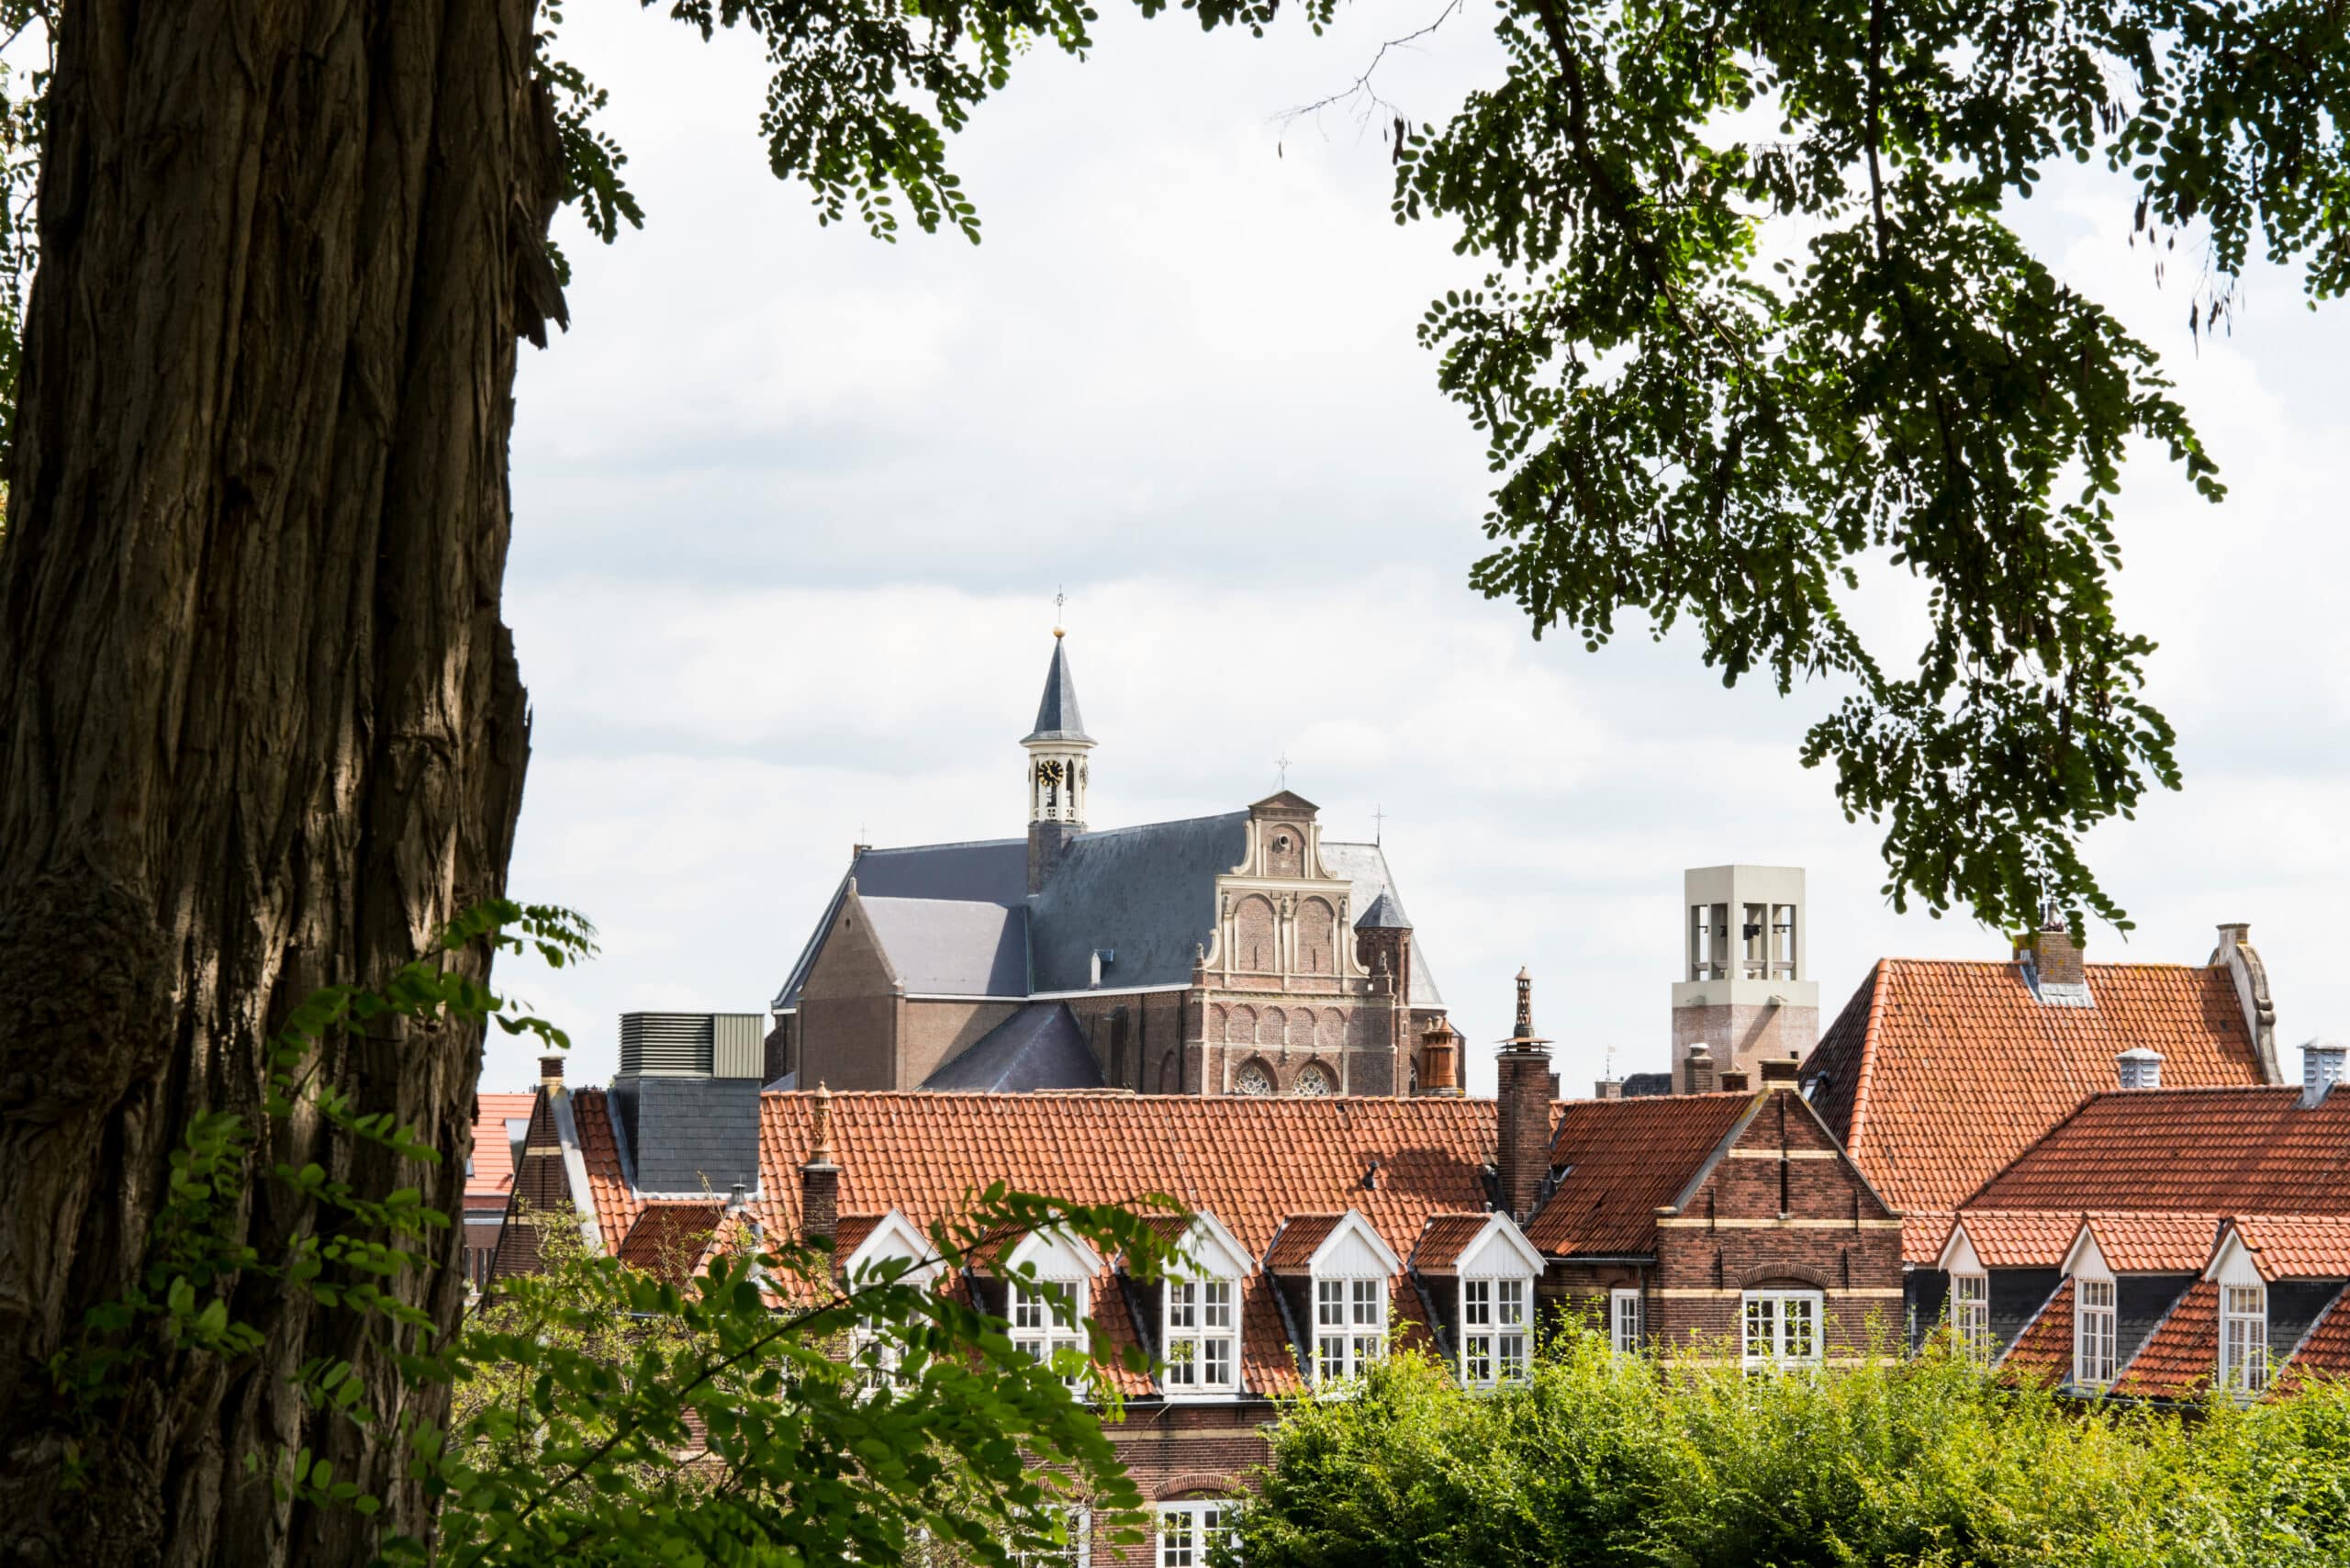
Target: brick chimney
column 2055, row 954
column 1440, row 1060
column 551, row 1071
column 1780, row 1072
column 1733, row 1080
column 1698, row 1070
column 820, row 1177
column 1522, row 1151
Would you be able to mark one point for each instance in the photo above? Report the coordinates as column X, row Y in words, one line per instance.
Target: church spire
column 1056, row 715
column 1057, row 772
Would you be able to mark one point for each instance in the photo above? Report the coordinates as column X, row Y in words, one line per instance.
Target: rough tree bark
column 261, row 726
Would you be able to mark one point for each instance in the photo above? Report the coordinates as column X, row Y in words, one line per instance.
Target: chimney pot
column 1779, row 1074
column 551, row 1071
column 1697, row 1070
column 1522, row 1106
column 1733, row 1080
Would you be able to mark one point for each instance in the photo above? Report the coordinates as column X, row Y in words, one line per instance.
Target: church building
column 1237, row 954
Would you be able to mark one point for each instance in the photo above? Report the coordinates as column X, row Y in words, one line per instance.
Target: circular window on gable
column 1253, row 1080
column 1313, row 1081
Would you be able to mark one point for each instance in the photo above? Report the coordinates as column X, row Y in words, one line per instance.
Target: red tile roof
column 1622, row 1161
column 1294, row 1246
column 2016, row 1238
column 669, row 1240
column 2325, row 1349
column 2155, row 1243
column 616, row 1205
column 2044, row 1351
column 490, row 1172
column 2180, row 1358
column 1939, row 1073
column 1445, row 1238
column 2297, row 1247
column 2199, row 1150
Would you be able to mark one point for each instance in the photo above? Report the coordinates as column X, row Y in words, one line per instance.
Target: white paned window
column 1202, row 1335
column 1970, row 1313
column 1781, row 1328
column 1188, row 1532
column 2093, row 1333
column 878, row 1355
column 1493, row 1332
column 1626, row 1328
column 1076, row 1551
column 1349, row 1325
column 1045, row 1315
column 2244, row 1338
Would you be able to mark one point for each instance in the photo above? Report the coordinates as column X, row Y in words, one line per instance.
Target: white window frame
column 1781, row 1328
column 1970, row 1313
column 1496, row 1317
column 1200, row 1329
column 2096, row 1331
column 879, row 1354
column 2244, row 1338
column 1350, row 1325
column 1187, row 1530
column 1048, row 1317
column 1627, row 1320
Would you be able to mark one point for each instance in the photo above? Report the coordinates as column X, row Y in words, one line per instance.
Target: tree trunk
column 261, row 726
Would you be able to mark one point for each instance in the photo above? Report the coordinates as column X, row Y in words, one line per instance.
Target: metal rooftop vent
column 668, row 1045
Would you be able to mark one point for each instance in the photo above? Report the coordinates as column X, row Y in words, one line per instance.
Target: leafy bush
column 1610, row 1460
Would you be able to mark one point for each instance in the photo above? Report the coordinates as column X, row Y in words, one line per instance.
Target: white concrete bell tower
column 1058, row 768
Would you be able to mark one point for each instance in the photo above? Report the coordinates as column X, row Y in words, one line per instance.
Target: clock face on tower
column 1050, row 771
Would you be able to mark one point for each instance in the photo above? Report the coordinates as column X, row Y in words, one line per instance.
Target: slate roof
column 1147, row 893
column 1385, row 913
column 951, row 946
column 1056, row 715
column 1939, row 1073
column 1618, row 1161
column 2244, row 1151
column 1364, row 866
column 985, row 871
column 1040, row 1046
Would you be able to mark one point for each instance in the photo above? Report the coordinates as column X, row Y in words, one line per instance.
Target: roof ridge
column 1167, row 822
column 942, row 844
column 1865, row 1077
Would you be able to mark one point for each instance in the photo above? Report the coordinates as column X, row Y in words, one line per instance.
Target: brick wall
column 848, row 1012
column 938, row 1032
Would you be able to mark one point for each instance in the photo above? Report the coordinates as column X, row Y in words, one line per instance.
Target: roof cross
column 1378, row 826
column 1282, row 762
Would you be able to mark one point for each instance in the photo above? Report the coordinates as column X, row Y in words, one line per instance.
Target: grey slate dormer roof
column 1040, row 1046
column 1385, row 913
column 1056, row 715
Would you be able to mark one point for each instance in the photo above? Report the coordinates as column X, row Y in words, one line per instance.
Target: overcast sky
column 791, row 507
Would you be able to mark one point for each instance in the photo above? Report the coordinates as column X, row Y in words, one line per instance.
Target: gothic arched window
column 1312, row 1082
column 1253, row 1080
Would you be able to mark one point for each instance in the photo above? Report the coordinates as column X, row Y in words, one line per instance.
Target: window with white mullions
column 1626, row 1328
column 2244, row 1338
column 1970, row 1313
column 1780, row 1328
column 1349, row 1325
column 1045, row 1321
column 878, row 1355
column 2093, row 1332
column 1493, row 1332
column 1202, row 1335
column 1075, row 1550
column 1189, row 1532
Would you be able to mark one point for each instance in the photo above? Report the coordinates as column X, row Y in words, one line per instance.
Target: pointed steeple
column 1056, row 715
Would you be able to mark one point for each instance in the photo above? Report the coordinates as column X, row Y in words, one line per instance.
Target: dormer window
column 1349, row 1325
column 2244, row 1338
column 1493, row 1331
column 1970, row 1313
column 882, row 1247
column 2094, row 1337
column 1047, row 1318
column 1202, row 1335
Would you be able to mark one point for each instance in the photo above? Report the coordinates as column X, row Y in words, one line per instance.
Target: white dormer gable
column 1958, row 1254
column 1052, row 1255
column 2086, row 1259
column 1353, row 1250
column 2232, row 1262
column 895, row 1237
column 1501, row 1252
column 1208, row 1250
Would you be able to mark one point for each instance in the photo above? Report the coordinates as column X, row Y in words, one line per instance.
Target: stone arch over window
column 1270, row 1027
column 1301, row 1029
column 1284, row 851
column 1254, row 947
column 1199, row 1484
column 1315, row 1082
column 1317, row 926
column 1332, row 1033
column 1790, row 1276
column 1240, row 1024
column 1254, row 1080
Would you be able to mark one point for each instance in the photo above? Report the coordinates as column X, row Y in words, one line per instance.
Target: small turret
column 1058, row 771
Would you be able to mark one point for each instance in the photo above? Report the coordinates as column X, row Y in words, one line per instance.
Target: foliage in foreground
column 1603, row 1461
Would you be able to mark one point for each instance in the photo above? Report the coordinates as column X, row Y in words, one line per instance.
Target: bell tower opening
column 1059, row 772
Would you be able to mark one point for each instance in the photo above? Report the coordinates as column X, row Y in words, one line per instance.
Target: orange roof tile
column 2017, row 1240
column 1294, row 1246
column 2138, row 1243
column 490, row 1173
column 2195, row 1150
column 2042, row 1352
column 616, row 1205
column 1622, row 1161
column 1445, row 1238
column 2181, row 1357
column 2325, row 1349
column 669, row 1238
column 1939, row 1073
column 2297, row 1247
